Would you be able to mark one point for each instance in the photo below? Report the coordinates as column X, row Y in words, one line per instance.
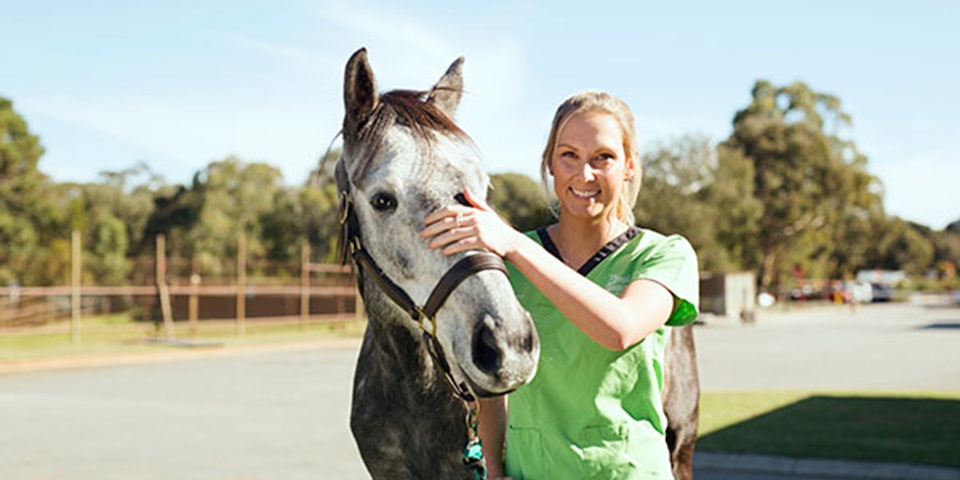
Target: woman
column 600, row 292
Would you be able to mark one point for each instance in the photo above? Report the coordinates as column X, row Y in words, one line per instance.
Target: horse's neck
column 401, row 358
column 405, row 419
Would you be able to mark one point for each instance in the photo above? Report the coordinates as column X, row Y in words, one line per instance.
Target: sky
column 179, row 84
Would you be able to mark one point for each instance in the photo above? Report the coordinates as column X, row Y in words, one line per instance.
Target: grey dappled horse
column 441, row 329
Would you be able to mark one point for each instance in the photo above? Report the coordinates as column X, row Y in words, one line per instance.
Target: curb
column 823, row 468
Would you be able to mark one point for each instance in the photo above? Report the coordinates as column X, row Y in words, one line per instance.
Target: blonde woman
column 601, row 292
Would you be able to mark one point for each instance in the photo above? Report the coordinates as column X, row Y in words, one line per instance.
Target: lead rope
column 473, row 452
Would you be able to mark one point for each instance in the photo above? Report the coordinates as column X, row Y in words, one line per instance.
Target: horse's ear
column 446, row 94
column 360, row 95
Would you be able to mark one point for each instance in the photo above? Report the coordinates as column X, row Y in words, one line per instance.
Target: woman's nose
column 587, row 172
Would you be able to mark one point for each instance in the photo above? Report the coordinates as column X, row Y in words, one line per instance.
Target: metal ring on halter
column 344, row 207
column 427, row 323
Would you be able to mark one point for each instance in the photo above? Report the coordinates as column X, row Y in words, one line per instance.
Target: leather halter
column 350, row 245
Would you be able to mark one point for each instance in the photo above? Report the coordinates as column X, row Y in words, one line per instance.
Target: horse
column 442, row 331
column 681, row 400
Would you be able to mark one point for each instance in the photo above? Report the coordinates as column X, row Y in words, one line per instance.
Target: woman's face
column 590, row 166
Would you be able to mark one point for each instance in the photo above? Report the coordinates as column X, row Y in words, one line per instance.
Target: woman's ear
column 632, row 167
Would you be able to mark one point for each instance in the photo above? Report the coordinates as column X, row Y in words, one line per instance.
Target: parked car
column 881, row 292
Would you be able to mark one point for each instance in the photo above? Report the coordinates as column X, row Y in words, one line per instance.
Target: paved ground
column 282, row 414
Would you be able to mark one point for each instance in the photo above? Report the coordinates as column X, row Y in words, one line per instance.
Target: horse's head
column 404, row 157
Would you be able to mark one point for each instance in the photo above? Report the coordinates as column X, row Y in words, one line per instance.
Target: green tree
column 738, row 209
column 900, row 245
column 228, row 198
column 807, row 179
column 519, row 200
column 319, row 204
column 675, row 197
column 953, row 226
column 28, row 219
column 235, row 196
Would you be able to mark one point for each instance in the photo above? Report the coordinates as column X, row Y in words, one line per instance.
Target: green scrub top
column 591, row 412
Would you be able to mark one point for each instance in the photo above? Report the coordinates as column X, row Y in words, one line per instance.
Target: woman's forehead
column 592, row 127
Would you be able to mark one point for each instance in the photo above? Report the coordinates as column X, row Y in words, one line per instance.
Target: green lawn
column 909, row 427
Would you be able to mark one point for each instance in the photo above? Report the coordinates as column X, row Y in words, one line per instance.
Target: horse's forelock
column 409, row 108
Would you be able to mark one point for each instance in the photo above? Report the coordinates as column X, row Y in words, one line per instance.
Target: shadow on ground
column 942, row 325
column 907, row 430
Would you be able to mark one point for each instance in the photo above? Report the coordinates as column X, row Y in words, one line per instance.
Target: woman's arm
column 613, row 322
column 492, row 430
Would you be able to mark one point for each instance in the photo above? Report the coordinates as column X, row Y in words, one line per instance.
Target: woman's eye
column 383, row 202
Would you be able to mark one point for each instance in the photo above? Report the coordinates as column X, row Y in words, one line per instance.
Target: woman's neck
column 577, row 240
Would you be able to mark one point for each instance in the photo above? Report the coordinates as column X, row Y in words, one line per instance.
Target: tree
column 738, row 209
column 675, row 198
column 806, row 180
column 900, row 245
column 519, row 200
column 226, row 200
column 28, row 218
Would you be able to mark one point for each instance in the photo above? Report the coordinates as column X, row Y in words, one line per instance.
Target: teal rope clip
column 473, row 458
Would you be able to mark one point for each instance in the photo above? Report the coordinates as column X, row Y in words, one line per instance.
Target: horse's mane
column 411, row 109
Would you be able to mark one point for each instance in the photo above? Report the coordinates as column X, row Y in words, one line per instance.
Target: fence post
column 241, row 328
column 163, row 290
column 75, row 287
column 358, row 308
column 194, row 305
column 304, row 284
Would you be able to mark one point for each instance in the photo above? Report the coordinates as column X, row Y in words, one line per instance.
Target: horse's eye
column 383, row 202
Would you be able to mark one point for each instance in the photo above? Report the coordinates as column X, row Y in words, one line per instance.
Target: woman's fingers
column 457, row 228
column 450, row 237
column 473, row 200
column 446, row 218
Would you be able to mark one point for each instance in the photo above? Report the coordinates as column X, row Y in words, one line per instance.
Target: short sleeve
column 672, row 262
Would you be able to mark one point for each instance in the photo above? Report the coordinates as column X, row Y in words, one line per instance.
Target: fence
column 323, row 293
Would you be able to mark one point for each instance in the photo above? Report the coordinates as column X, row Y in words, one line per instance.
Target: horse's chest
column 404, row 430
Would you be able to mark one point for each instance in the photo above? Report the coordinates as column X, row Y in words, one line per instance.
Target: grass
column 914, row 427
column 121, row 335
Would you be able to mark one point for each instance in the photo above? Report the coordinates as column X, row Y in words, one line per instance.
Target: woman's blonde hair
column 597, row 102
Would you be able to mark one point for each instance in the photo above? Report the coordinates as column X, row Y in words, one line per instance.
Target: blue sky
column 178, row 84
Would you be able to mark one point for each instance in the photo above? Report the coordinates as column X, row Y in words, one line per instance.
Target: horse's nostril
column 528, row 341
column 486, row 355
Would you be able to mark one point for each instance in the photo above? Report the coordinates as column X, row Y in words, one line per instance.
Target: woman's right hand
column 458, row 228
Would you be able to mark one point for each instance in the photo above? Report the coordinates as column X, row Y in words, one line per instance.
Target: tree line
column 785, row 192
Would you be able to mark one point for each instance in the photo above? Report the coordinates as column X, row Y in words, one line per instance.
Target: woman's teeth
column 584, row 193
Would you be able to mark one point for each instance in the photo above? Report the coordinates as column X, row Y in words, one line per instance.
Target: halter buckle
column 425, row 321
column 344, row 207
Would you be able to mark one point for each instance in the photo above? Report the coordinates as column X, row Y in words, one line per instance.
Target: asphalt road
column 282, row 414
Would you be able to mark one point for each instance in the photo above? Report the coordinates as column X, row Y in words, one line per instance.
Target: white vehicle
column 860, row 292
